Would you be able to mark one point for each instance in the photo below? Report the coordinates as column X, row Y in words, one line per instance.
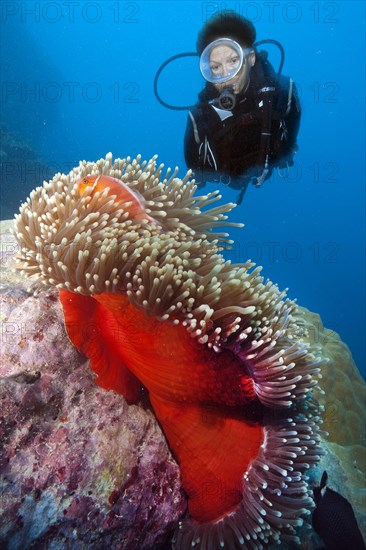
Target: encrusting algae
column 137, row 255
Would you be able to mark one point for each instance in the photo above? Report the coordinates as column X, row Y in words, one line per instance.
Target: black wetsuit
column 232, row 149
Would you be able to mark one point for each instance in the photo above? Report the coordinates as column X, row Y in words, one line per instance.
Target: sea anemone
column 149, row 298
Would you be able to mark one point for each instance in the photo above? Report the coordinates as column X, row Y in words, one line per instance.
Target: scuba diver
column 247, row 117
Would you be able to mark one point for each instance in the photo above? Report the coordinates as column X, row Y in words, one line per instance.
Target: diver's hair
column 226, row 24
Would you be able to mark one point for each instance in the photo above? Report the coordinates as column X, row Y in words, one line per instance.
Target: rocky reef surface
column 80, row 468
column 21, row 168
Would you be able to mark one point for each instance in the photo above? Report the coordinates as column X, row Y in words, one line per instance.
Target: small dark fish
column 334, row 519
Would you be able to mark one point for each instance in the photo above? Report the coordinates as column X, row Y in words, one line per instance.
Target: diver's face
column 225, row 60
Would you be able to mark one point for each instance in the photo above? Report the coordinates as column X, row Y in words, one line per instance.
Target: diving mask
column 222, row 59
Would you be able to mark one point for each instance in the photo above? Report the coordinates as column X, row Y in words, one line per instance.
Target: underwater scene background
column 77, row 82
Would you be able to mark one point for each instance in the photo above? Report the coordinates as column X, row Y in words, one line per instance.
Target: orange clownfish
column 123, row 194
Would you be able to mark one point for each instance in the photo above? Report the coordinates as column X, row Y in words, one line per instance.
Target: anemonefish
column 124, row 194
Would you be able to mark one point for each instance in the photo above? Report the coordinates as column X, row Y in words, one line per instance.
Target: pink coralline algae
column 80, row 468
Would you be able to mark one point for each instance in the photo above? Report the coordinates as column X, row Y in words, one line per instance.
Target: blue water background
column 91, row 68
